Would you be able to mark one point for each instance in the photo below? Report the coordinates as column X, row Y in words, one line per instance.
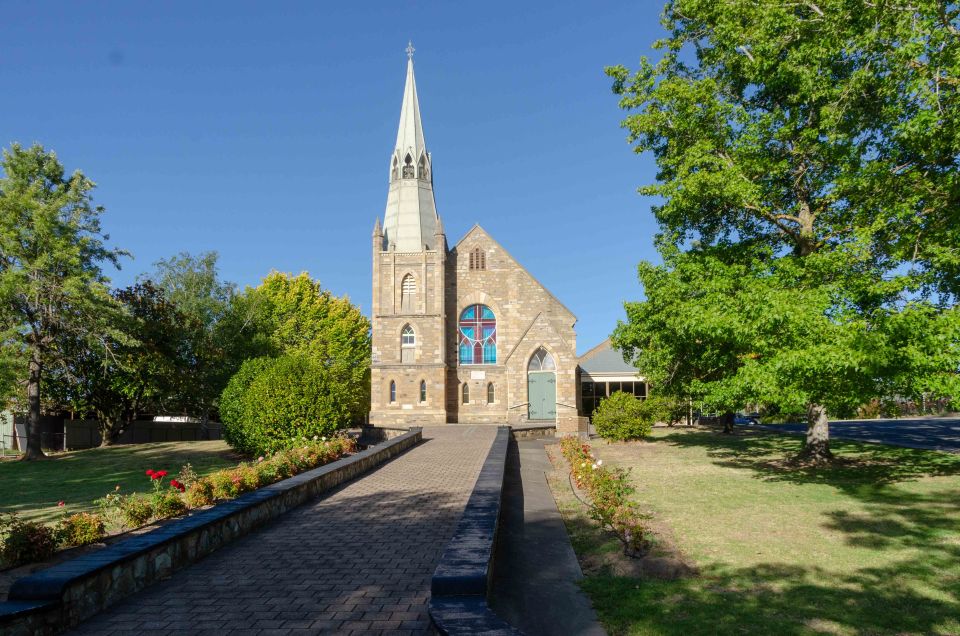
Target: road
column 934, row 433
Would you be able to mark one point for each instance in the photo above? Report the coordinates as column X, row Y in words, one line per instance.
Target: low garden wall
column 535, row 431
column 461, row 582
column 59, row 597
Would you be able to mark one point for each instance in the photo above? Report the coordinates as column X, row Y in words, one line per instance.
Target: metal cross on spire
column 410, row 50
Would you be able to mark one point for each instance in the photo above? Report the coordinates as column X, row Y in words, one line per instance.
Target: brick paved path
column 356, row 561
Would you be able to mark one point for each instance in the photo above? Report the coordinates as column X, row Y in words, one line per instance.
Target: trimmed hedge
column 271, row 401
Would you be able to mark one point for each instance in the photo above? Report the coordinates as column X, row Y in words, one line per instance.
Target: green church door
column 542, row 392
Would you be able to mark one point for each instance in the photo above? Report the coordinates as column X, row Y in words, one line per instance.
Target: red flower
column 176, row 484
column 156, row 476
column 149, row 472
column 161, row 473
column 61, row 504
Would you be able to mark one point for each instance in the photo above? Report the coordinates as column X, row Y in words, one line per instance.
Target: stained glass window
column 478, row 335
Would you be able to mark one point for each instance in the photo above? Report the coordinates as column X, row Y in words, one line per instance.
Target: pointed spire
column 376, row 228
column 410, row 133
column 410, row 221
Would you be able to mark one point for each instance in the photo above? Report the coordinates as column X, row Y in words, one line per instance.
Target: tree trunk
column 33, row 449
column 728, row 422
column 817, row 446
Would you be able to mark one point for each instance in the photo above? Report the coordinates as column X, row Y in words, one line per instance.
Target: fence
column 59, row 435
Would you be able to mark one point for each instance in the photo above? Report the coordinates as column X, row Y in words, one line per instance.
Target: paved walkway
column 356, row 561
column 535, row 583
column 933, row 433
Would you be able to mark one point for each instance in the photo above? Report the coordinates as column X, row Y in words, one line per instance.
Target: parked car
column 745, row 420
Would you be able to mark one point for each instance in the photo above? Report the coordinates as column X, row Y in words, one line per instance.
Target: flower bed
column 28, row 541
column 609, row 493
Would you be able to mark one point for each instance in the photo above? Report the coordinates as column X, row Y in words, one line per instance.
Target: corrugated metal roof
column 605, row 359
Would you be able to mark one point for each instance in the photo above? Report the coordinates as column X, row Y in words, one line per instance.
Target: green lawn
column 33, row 489
column 871, row 546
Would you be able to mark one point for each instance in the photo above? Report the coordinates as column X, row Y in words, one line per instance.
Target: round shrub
column 200, row 493
column 272, row 402
column 136, row 510
column 223, row 485
column 623, row 417
column 168, row 503
column 25, row 541
column 82, row 528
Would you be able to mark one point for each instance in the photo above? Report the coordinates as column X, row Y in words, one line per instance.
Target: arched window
column 477, row 335
column 541, row 360
column 408, row 293
column 408, row 171
column 423, row 390
column 393, row 392
column 395, row 170
column 422, row 168
column 408, row 345
column 466, row 393
column 478, row 259
column 491, row 394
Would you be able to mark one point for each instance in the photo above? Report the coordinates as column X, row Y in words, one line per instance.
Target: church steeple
column 411, row 217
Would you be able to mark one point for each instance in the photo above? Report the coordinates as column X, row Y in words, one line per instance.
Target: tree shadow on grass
column 919, row 593
column 782, row 599
column 858, row 465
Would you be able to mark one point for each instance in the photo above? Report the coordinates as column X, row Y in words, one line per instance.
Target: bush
column 168, row 503
column 200, row 493
column 609, row 492
column 135, row 510
column 272, row 402
column 223, row 485
column 81, row 528
column 623, row 417
column 25, row 541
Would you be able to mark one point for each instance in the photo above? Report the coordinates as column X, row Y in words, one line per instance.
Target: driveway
column 933, row 433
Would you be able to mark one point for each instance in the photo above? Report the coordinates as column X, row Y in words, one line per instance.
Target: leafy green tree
column 51, row 252
column 192, row 284
column 139, row 368
column 293, row 317
column 807, row 157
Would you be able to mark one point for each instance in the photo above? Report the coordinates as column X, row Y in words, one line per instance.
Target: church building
column 462, row 334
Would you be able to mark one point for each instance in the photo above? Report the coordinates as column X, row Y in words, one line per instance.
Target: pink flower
column 61, row 504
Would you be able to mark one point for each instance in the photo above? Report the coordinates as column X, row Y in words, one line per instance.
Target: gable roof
column 605, row 359
column 476, row 229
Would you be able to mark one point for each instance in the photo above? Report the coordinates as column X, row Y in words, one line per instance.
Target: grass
column 870, row 545
column 33, row 489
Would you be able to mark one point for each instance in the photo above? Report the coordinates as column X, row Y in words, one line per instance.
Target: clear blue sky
column 263, row 130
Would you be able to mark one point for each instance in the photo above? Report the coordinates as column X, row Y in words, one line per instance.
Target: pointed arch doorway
column 542, row 386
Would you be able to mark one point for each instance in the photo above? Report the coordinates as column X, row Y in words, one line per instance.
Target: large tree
column 193, row 285
column 52, row 249
column 290, row 322
column 807, row 159
column 138, row 368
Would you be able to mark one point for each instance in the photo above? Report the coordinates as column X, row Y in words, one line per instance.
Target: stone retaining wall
column 461, row 582
column 61, row 596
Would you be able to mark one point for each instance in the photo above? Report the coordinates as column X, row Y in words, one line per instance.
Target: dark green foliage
column 25, row 541
column 271, row 401
column 623, row 417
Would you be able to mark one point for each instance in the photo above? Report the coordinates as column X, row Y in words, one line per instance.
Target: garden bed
column 61, row 596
